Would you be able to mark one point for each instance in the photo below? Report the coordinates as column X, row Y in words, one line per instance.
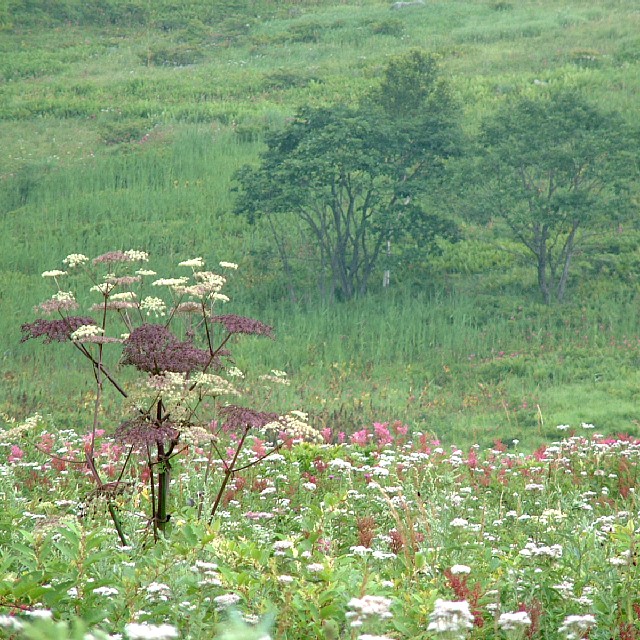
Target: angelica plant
column 170, row 332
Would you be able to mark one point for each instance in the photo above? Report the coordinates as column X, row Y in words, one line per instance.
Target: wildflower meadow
column 177, row 513
column 319, row 320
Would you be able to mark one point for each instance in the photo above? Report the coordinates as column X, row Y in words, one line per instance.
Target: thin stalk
column 228, row 472
column 206, row 474
column 164, row 479
column 152, row 488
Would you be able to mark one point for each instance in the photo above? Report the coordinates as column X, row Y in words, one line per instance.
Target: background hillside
column 123, row 122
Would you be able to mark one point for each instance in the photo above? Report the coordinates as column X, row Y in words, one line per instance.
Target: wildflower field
column 441, row 457
column 175, row 512
column 383, row 535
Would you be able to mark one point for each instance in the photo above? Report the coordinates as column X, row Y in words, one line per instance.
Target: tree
column 354, row 175
column 556, row 170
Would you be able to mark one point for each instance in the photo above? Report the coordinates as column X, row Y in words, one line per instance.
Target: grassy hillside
column 122, row 122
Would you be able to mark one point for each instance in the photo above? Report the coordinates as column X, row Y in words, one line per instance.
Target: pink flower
column 16, row 453
column 400, row 429
column 258, row 447
column 326, row 435
column 360, row 437
column 382, row 433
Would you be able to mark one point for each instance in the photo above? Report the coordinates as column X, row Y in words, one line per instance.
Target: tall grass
column 115, row 137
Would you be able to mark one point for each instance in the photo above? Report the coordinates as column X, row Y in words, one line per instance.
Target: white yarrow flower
column 514, row 621
column 574, row 627
column 452, row 618
column 457, row 569
column 86, row 331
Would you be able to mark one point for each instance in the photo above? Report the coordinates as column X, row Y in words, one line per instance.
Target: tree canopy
column 556, row 170
column 354, row 175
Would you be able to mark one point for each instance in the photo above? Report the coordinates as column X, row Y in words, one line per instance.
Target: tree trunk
column 541, row 251
column 568, row 255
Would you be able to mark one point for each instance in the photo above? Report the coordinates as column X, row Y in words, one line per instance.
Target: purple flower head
column 235, row 417
column 57, row 305
column 153, row 348
column 240, row 324
column 54, row 330
column 112, row 256
column 141, row 433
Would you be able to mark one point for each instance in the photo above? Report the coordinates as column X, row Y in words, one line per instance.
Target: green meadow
column 122, row 124
column 446, row 457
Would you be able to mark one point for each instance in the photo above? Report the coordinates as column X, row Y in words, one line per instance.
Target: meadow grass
column 439, row 398
column 116, row 137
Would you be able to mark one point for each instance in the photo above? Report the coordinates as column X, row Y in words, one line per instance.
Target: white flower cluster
column 158, row 591
column 63, row 296
column 170, row 282
column 459, row 569
column 514, row 621
column 278, row 377
column 213, row 385
column 574, row 627
column 104, row 288
column 124, row 295
column 194, row 263
column 340, row 464
column 532, row 550
column 53, row 273
column 226, row 600
column 154, row 305
column 297, row 427
column 451, row 618
column 228, row 265
column 86, row 332
column 75, row 259
column 368, row 607
column 209, row 285
column 137, row 256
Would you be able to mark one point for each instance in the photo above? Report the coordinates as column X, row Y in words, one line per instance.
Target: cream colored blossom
column 104, row 288
column 124, row 295
column 86, row 331
column 151, row 305
column 28, row 424
column 75, row 259
column 137, row 256
column 296, row 426
column 228, row 265
column 195, row 263
column 170, row 282
column 213, row 385
column 277, row 377
column 55, row 273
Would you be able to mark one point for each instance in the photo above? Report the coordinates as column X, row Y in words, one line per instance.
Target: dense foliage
column 381, row 534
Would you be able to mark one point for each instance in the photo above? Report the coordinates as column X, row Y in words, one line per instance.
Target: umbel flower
column 240, row 324
column 141, row 433
column 450, row 619
column 235, row 417
column 153, row 348
column 54, row 330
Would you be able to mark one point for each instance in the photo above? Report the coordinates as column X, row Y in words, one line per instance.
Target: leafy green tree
column 557, row 170
column 354, row 176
